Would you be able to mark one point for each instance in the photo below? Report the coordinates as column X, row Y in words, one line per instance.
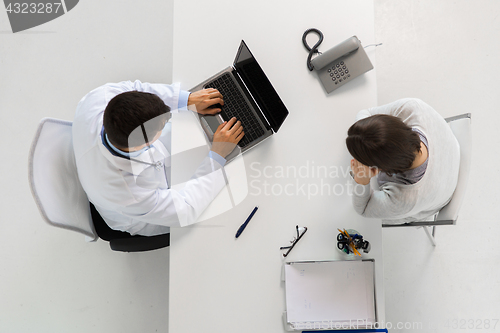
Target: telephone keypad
column 340, row 72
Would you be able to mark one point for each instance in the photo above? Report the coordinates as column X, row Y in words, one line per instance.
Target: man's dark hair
column 383, row 141
column 128, row 111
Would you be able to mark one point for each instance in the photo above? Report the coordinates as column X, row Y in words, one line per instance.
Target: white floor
column 445, row 52
column 51, row 280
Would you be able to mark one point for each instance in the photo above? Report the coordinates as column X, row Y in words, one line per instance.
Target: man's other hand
column 202, row 101
column 228, row 134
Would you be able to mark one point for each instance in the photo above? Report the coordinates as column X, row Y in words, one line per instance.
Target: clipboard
column 329, row 295
column 368, row 330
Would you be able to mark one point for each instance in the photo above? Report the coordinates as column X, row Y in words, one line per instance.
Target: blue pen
column 244, row 225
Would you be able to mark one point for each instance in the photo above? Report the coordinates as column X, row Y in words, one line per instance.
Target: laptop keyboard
column 236, row 106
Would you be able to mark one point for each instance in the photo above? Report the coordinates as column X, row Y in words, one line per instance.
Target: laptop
column 249, row 96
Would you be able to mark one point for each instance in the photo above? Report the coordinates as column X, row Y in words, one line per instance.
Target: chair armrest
column 461, row 116
column 420, row 224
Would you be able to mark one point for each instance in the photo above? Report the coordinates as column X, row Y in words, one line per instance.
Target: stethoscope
column 157, row 165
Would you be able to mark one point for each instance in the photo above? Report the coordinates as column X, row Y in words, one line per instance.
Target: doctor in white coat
column 124, row 168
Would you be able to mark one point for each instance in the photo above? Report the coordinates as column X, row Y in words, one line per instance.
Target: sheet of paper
column 335, row 291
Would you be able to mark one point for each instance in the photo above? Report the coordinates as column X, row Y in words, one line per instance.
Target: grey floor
column 445, row 52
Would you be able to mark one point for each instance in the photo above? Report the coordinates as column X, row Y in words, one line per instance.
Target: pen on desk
column 244, row 225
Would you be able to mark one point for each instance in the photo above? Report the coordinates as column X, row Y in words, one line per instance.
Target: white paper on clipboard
column 330, row 291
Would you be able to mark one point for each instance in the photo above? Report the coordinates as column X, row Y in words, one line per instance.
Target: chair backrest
column 461, row 128
column 54, row 180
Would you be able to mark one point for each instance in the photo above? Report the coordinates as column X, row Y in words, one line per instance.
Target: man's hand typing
column 228, row 134
column 202, row 101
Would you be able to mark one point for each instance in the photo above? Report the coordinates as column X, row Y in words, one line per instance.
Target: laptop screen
column 262, row 90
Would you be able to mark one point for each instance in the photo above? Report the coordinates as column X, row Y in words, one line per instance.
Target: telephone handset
column 338, row 65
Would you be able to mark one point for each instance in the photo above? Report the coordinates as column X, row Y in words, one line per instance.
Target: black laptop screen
column 260, row 87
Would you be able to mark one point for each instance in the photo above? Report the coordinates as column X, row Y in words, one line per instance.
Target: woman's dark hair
column 384, row 142
column 128, row 111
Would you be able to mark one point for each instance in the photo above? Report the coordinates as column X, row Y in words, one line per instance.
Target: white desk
column 218, row 283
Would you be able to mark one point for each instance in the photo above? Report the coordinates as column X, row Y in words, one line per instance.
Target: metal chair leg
column 431, row 237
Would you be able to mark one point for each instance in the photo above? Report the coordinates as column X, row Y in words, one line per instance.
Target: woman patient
column 415, row 155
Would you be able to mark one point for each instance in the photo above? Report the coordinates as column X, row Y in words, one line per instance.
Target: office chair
column 448, row 215
column 60, row 198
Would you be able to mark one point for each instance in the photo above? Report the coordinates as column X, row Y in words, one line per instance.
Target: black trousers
column 108, row 234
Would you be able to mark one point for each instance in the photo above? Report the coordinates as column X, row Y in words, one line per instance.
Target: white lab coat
column 133, row 196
